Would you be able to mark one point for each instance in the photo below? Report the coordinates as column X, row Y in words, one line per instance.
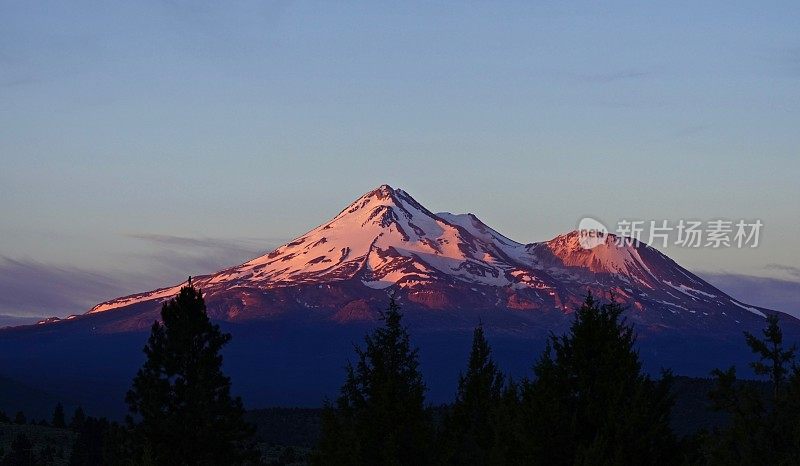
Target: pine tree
column 379, row 417
column 774, row 360
column 58, row 417
column 180, row 403
column 763, row 429
column 471, row 432
column 78, row 418
column 508, row 425
column 20, row 418
column 590, row 403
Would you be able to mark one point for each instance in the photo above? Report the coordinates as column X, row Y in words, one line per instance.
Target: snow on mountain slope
column 378, row 232
column 383, row 238
column 638, row 272
column 607, row 257
column 448, row 261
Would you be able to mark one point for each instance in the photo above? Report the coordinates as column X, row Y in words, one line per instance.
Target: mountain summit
column 386, row 240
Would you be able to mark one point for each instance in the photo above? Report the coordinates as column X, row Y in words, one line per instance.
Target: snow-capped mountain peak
column 386, row 238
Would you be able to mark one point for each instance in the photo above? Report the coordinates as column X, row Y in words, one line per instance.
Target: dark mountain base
column 290, row 364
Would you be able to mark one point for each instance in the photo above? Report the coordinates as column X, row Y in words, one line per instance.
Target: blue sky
column 142, row 141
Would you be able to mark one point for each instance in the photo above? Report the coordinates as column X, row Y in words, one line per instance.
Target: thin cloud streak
column 773, row 293
column 788, row 269
column 179, row 255
column 32, row 288
column 232, row 245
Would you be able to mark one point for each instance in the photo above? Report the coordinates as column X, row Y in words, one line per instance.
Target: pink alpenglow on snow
column 448, row 262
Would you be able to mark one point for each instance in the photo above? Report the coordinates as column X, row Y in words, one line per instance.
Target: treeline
column 587, row 401
column 181, row 411
column 79, row 441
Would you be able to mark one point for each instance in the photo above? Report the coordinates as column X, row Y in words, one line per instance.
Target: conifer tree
column 471, row 432
column 181, row 410
column 58, row 417
column 379, row 417
column 78, row 418
column 590, row 402
column 774, row 359
column 763, row 429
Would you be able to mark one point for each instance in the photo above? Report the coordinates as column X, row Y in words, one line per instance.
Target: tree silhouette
column 590, row 403
column 764, row 429
column 379, row 417
column 180, row 403
column 78, row 418
column 58, row 417
column 774, row 359
column 472, row 428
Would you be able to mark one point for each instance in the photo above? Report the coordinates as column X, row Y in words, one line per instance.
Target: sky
column 141, row 142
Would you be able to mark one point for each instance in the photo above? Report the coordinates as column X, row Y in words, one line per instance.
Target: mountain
column 295, row 311
column 386, row 240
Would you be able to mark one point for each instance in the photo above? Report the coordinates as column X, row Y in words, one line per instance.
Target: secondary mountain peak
column 609, row 254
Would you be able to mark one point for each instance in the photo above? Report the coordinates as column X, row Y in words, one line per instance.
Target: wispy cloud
column 13, row 321
column 772, row 293
column 229, row 245
column 184, row 255
column 34, row 288
column 787, row 269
